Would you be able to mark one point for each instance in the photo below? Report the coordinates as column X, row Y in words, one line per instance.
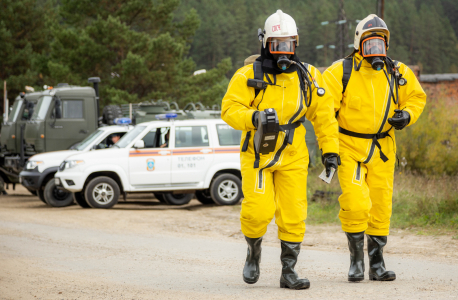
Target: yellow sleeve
column 333, row 78
column 322, row 115
column 412, row 97
column 236, row 107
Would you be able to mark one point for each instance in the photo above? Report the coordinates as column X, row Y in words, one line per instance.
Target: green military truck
column 51, row 120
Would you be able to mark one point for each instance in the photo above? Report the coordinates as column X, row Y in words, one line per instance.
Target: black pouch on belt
column 266, row 134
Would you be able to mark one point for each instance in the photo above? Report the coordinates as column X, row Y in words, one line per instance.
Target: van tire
column 204, row 197
column 226, row 181
column 41, row 195
column 104, row 184
column 79, row 199
column 55, row 197
column 160, row 197
column 177, row 199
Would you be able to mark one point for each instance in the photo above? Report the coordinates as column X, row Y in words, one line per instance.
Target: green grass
column 427, row 204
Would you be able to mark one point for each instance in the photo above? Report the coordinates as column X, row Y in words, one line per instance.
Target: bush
column 430, row 146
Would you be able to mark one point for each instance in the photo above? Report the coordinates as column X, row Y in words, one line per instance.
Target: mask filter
column 376, row 62
column 283, row 61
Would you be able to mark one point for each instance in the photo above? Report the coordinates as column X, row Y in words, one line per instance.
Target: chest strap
column 374, row 137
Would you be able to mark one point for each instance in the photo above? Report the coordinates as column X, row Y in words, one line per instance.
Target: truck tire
column 177, row 199
column 79, row 199
column 56, row 197
column 111, row 112
column 226, row 189
column 204, row 197
column 102, row 192
column 160, row 197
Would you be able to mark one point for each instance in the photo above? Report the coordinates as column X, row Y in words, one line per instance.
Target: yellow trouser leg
column 380, row 182
column 258, row 206
column 291, row 198
column 355, row 200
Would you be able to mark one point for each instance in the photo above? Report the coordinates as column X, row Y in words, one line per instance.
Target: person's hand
column 254, row 119
column 400, row 119
column 330, row 160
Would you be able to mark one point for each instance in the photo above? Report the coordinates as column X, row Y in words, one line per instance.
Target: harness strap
column 247, row 140
column 347, row 68
column 257, row 69
column 374, row 137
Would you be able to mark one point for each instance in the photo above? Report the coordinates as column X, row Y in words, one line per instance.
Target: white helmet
column 372, row 23
column 280, row 25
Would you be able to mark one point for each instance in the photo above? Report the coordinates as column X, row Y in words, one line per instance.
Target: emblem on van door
column 150, row 164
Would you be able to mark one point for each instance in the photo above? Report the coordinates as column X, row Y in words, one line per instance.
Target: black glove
column 330, row 160
column 254, row 119
column 400, row 119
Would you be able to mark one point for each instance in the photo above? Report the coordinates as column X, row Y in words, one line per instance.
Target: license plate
column 57, row 181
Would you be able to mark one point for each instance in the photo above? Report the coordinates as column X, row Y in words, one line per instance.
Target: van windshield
column 42, row 108
column 14, row 113
column 129, row 137
column 89, row 140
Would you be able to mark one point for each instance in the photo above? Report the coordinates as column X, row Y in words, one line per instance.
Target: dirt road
column 142, row 249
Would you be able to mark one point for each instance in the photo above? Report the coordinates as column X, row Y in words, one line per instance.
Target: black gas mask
column 373, row 49
column 282, row 48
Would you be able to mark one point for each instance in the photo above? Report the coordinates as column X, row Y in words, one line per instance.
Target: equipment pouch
column 265, row 138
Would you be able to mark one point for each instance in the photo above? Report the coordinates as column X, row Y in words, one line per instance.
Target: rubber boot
column 377, row 269
column 253, row 258
column 288, row 257
column 356, row 247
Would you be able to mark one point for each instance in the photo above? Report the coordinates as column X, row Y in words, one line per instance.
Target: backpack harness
column 348, row 64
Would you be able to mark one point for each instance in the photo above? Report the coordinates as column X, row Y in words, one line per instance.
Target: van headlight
column 74, row 163
column 32, row 164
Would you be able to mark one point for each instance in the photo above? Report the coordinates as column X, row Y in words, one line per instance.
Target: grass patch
column 428, row 204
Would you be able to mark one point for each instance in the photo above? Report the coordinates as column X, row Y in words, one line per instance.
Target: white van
column 38, row 174
column 172, row 159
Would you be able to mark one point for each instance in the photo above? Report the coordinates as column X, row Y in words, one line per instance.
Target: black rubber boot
column 289, row 279
column 253, row 258
column 356, row 247
column 377, row 269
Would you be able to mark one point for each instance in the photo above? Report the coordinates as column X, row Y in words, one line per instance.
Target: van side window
column 191, row 136
column 72, row 109
column 228, row 136
column 157, row 138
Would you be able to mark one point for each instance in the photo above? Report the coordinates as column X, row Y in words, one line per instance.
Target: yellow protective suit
column 367, row 181
column 279, row 185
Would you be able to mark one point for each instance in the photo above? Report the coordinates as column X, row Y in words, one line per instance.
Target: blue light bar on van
column 122, row 121
column 166, row 116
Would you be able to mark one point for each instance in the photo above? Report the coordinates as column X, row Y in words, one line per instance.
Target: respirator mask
column 373, row 49
column 282, row 48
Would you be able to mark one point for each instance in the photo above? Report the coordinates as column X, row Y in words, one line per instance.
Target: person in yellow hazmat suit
column 268, row 100
column 374, row 95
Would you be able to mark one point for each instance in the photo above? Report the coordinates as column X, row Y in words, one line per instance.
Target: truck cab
column 12, row 132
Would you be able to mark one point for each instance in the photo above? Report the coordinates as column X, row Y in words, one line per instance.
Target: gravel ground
column 142, row 249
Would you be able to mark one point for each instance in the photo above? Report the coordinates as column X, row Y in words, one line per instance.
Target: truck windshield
column 42, row 108
column 14, row 113
column 89, row 140
column 129, row 137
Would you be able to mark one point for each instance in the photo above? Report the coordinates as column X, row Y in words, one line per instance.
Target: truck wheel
column 56, row 197
column 226, row 189
column 160, row 197
column 177, row 199
column 41, row 195
column 102, row 192
column 204, row 197
column 111, row 112
column 79, row 199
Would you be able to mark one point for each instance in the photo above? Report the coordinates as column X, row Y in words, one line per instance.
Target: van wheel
column 56, row 197
column 204, row 197
column 102, row 192
column 160, row 197
column 177, row 199
column 226, row 189
column 79, row 199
